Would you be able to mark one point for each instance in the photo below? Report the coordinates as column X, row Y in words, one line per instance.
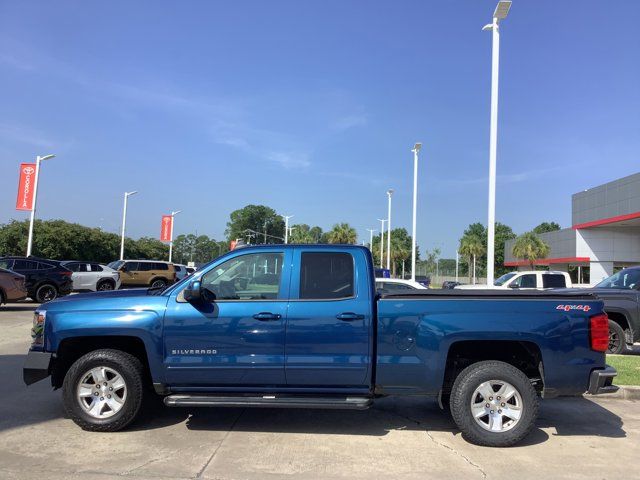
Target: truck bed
column 490, row 294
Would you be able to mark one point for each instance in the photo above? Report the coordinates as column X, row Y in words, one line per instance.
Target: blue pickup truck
column 301, row 326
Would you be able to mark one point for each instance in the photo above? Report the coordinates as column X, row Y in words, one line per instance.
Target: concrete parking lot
column 408, row 438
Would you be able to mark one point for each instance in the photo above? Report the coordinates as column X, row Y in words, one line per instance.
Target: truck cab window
column 326, row 275
column 247, row 277
column 551, row 280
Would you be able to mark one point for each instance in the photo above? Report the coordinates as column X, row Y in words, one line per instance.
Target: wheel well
column 159, row 277
column 72, row 349
column 620, row 319
column 106, row 280
column 525, row 356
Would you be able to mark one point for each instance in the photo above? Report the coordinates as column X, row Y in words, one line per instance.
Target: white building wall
column 606, row 246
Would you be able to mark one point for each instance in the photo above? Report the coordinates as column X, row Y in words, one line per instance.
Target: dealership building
column 604, row 235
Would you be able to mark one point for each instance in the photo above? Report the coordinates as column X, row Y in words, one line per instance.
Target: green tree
column 471, row 246
column 545, row 227
column 400, row 250
column 530, row 247
column 303, row 233
column 502, row 234
column 342, row 233
column 254, row 221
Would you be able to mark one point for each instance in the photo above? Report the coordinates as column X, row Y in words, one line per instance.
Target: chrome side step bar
column 269, row 401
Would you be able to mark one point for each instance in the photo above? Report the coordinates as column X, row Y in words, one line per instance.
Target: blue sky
column 313, row 107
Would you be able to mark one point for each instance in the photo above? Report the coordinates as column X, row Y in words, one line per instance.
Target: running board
column 270, row 401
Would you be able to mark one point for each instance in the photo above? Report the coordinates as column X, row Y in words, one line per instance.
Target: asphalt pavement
column 575, row 438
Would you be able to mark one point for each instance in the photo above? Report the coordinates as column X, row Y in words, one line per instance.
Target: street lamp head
column 173, row 214
column 502, row 9
column 128, row 194
column 417, row 147
column 46, row 157
column 390, row 192
column 488, row 26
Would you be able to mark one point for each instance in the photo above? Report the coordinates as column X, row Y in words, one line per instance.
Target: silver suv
column 92, row 276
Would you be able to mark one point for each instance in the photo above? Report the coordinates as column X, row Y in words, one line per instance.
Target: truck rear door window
column 326, row 275
column 551, row 280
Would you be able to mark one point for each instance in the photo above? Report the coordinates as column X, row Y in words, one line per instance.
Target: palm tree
column 342, row 233
column 530, row 247
column 471, row 246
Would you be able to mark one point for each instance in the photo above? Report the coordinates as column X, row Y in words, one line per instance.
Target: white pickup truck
column 526, row 280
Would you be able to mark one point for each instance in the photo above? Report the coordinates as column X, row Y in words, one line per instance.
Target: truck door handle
column 349, row 316
column 266, row 316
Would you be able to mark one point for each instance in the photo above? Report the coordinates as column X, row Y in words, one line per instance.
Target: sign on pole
column 26, row 186
column 165, row 228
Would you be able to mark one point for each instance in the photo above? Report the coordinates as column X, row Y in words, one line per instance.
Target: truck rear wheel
column 493, row 404
column 102, row 391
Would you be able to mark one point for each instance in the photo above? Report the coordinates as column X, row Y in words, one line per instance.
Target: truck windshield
column 504, row 279
column 629, row 279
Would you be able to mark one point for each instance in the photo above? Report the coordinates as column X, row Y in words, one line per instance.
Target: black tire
column 463, row 390
column 2, row 299
column 46, row 293
column 617, row 339
column 128, row 366
column 105, row 285
column 158, row 283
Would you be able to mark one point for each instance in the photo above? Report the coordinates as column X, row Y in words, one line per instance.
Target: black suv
column 45, row 279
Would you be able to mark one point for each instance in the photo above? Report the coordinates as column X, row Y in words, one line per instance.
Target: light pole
column 416, row 149
column 35, row 195
column 382, row 220
column 457, row 263
column 389, row 193
column 173, row 214
column 286, row 228
column 502, row 9
column 124, row 221
column 371, row 230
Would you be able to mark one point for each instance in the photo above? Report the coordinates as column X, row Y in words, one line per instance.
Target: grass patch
column 628, row 367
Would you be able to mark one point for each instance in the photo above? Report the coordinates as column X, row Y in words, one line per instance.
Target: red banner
column 26, row 186
column 166, row 227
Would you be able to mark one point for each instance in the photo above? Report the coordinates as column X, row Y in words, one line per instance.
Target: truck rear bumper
column 601, row 381
column 36, row 367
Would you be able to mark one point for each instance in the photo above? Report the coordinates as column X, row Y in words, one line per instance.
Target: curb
column 626, row 392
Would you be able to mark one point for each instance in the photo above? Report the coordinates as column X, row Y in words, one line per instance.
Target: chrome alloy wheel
column 496, row 406
column 101, row 392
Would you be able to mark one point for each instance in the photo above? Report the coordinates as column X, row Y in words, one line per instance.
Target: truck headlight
column 37, row 330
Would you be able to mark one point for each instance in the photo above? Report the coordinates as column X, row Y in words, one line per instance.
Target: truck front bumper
column 36, row 367
column 601, row 381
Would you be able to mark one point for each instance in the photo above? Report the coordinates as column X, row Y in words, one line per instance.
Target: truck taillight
column 599, row 332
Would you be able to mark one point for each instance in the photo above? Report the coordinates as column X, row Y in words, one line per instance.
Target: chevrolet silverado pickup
column 301, row 326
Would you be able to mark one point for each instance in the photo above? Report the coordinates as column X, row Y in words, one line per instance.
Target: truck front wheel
column 493, row 404
column 102, row 391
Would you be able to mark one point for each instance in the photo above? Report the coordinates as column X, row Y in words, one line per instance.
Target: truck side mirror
column 514, row 285
column 193, row 292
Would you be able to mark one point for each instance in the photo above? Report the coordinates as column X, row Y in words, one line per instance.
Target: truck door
column 328, row 340
column 238, row 339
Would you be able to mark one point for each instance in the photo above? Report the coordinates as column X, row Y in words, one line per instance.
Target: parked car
column 181, row 271
column 301, row 326
column 424, row 280
column 144, row 273
column 45, row 279
column 449, row 284
column 191, row 270
column 393, row 285
column 621, row 295
column 533, row 279
column 12, row 287
column 92, row 276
